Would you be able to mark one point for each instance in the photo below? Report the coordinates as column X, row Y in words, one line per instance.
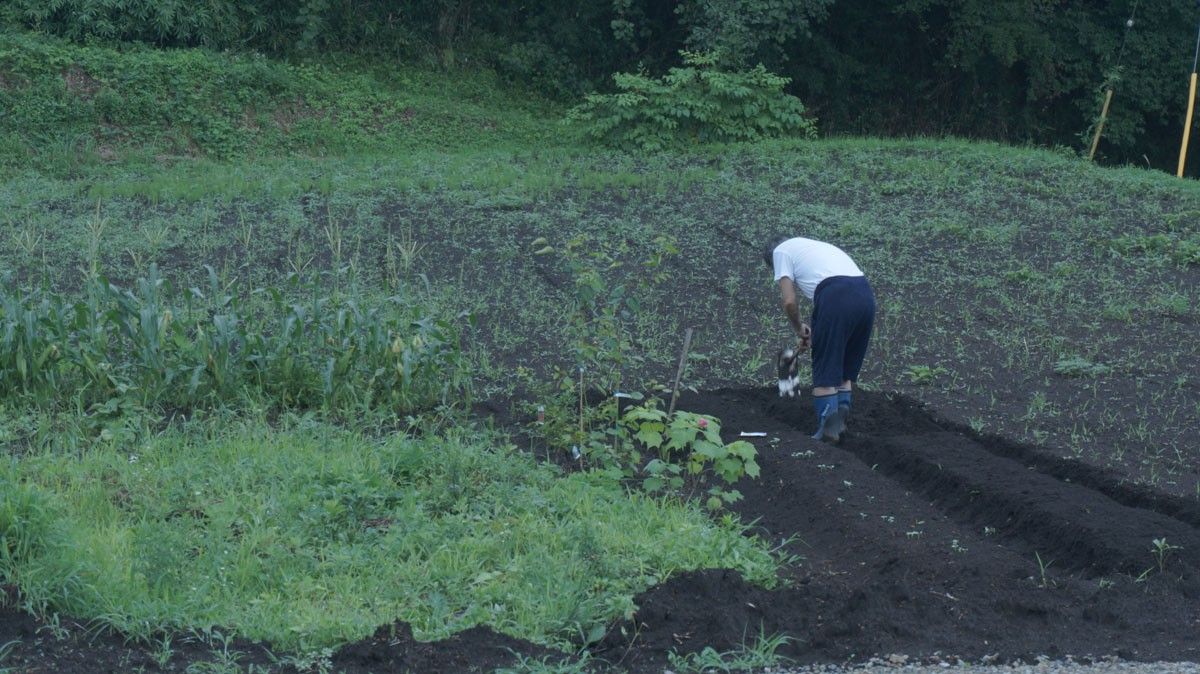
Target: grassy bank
column 69, row 108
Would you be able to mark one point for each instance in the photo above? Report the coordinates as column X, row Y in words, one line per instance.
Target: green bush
column 698, row 103
column 685, row 441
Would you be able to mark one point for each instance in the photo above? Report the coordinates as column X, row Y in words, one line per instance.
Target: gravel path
column 899, row 664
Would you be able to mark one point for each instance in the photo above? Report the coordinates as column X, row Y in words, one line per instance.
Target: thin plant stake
column 575, row 450
column 687, row 343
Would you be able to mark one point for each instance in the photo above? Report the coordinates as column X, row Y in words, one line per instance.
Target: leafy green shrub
column 682, row 444
column 696, row 440
column 698, row 103
column 155, row 348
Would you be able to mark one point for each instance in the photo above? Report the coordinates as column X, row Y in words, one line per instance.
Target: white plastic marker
column 752, row 434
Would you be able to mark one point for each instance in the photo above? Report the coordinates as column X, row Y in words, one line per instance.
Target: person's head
column 768, row 253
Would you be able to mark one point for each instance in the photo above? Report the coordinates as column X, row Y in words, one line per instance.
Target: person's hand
column 804, row 339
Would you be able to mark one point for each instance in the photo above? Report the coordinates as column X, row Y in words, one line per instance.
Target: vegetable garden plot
column 919, row 537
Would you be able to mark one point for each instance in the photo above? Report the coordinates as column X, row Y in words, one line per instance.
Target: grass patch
column 311, row 536
column 748, row 658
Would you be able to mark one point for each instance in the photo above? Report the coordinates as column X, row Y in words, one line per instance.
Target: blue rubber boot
column 844, row 404
column 830, row 420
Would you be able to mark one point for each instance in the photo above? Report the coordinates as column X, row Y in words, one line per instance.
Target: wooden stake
column 687, row 343
column 1100, row 125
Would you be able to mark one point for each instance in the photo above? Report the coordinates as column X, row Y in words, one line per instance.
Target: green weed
column 924, row 375
column 749, row 657
column 1162, row 552
column 546, row 665
column 1044, row 581
column 1078, row 366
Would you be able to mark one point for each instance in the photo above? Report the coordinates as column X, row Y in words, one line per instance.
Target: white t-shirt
column 808, row 262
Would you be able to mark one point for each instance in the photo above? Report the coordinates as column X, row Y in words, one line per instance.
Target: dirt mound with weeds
column 912, row 536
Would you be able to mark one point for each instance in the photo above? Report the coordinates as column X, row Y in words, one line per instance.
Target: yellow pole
column 1100, row 124
column 1187, row 126
column 1191, row 106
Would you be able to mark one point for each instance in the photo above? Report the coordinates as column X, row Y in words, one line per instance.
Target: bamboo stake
column 687, row 343
column 1100, row 125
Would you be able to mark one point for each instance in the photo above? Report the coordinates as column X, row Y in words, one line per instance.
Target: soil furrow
column 1070, row 470
column 1079, row 527
column 896, row 557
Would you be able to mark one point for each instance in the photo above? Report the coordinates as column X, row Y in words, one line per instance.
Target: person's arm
column 787, row 289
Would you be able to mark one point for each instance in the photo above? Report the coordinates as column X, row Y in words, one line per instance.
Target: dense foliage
column 1018, row 70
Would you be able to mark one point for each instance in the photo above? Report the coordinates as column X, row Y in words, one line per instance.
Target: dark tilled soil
column 914, row 535
column 920, row 537
column 68, row 647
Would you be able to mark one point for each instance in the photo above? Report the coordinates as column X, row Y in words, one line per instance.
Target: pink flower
column 703, row 423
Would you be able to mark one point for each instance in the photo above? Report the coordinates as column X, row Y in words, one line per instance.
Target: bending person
column 843, row 316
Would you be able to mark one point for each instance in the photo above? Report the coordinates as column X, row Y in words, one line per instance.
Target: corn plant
column 161, row 349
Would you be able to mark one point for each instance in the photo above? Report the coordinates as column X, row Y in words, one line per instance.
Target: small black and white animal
column 787, row 364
